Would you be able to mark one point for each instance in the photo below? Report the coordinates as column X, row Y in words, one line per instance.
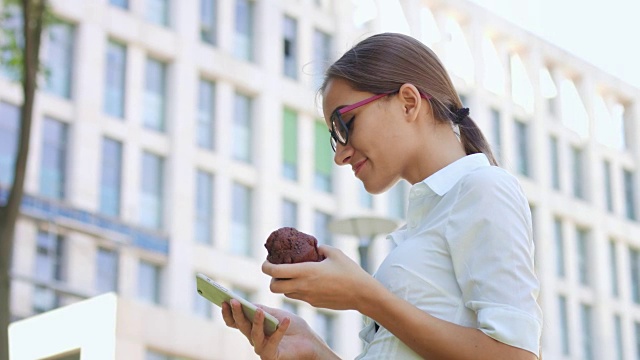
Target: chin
column 376, row 189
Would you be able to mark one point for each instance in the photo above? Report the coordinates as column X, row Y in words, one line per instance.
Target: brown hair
column 384, row 62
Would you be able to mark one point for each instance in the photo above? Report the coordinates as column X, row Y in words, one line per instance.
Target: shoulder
column 489, row 178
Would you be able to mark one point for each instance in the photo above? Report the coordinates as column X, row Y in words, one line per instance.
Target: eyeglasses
column 340, row 130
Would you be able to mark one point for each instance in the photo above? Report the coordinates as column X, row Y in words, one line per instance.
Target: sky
column 604, row 33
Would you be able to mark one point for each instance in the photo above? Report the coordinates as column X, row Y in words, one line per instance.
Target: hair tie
column 460, row 115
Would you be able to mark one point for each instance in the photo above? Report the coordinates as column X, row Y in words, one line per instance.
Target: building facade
column 171, row 137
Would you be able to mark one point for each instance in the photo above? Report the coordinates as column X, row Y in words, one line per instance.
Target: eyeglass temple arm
column 373, row 98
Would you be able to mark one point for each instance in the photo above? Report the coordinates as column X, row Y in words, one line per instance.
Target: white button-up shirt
column 464, row 256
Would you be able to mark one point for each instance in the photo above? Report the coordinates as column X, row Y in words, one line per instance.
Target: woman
column 460, row 284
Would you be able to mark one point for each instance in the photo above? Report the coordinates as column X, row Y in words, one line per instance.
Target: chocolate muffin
column 289, row 246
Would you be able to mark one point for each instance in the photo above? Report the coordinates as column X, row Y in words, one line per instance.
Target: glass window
column 321, row 227
column 578, row 172
column 608, row 189
column 50, row 257
column 115, row 86
column 12, row 27
column 111, row 178
column 106, row 270
column 155, row 95
column 496, row 127
column 241, row 220
column 613, row 260
column 321, row 56
column 617, row 325
column 149, row 282
column 522, row 148
column 366, row 199
column 290, row 47
column 53, row 166
column 629, row 195
column 290, row 145
column 564, row 325
column 242, row 128
column 323, row 158
column 560, row 253
column 587, row 331
column 397, row 200
column 555, row 162
column 634, row 267
column 158, row 12
column 289, row 214
column 124, row 4
column 204, row 207
column 9, row 134
column 244, row 29
column 45, row 299
column 206, row 114
column 208, row 21
column 290, row 306
column 582, row 241
column 59, row 59
column 325, row 327
column 151, row 207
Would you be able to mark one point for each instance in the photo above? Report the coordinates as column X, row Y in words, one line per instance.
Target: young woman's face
column 378, row 142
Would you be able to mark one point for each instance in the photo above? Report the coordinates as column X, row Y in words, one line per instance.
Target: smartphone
column 218, row 294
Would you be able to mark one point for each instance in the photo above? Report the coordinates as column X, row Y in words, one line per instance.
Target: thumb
column 328, row 251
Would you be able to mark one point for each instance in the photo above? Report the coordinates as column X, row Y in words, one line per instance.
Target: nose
column 343, row 154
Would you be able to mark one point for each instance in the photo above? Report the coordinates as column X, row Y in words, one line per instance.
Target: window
column 206, row 114
column 555, row 162
column 111, row 178
column 560, row 253
column 151, row 207
column 12, row 27
column 290, row 306
column 290, row 47
column 321, row 227
column 496, row 127
column 397, row 200
column 155, row 95
column 155, row 355
column 634, row 267
column 325, row 327
column 564, row 325
column 106, row 271
column 613, row 260
column 208, row 21
column 321, row 56
column 50, row 268
column 53, row 166
column 244, row 30
column 242, row 128
column 123, row 4
column 289, row 214
column 366, row 199
column 323, row 158
column 608, row 190
column 204, row 207
column 9, row 134
column 158, row 12
column 587, row 331
column 578, row 172
column 290, row 145
column 115, row 78
column 149, row 282
column 59, row 59
column 201, row 306
column 241, row 220
column 629, row 195
column 582, row 241
column 522, row 148
column 617, row 325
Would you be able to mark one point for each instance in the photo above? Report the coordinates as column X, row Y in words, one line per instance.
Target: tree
column 26, row 58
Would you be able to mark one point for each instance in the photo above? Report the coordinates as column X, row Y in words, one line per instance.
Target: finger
column 240, row 319
column 227, row 315
column 271, row 345
column 286, row 271
column 257, row 331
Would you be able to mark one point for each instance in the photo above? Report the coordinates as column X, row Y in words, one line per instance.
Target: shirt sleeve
column 490, row 240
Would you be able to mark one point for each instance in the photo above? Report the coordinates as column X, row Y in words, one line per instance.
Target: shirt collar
column 444, row 179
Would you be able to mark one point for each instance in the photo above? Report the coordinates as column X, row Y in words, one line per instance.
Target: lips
column 358, row 166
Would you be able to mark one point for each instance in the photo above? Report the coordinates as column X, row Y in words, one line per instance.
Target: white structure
column 173, row 136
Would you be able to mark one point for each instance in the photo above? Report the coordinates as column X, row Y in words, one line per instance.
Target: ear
column 411, row 101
